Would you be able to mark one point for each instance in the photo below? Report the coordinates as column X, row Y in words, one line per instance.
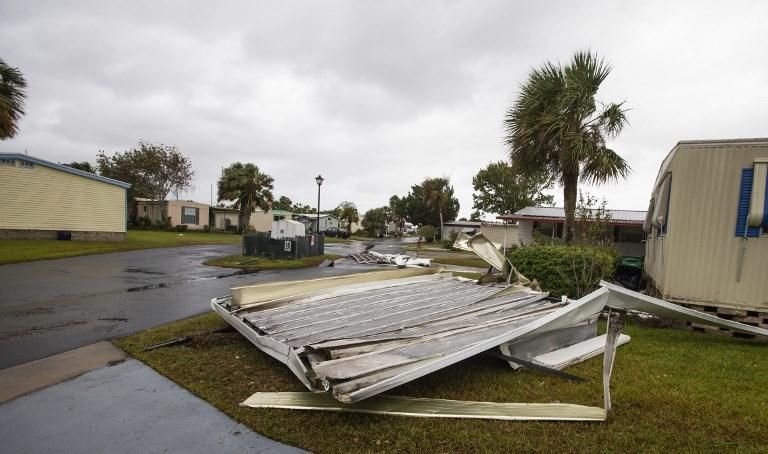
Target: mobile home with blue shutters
column 707, row 227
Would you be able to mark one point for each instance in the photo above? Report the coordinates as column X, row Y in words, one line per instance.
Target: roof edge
column 66, row 169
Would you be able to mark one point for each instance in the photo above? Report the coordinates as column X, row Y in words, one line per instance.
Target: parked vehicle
column 336, row 232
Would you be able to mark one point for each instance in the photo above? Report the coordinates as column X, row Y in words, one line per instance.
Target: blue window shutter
column 744, row 194
column 765, row 207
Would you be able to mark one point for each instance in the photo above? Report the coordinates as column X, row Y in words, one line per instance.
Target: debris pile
column 400, row 260
column 359, row 335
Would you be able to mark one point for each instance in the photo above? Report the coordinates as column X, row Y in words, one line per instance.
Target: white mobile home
column 707, row 227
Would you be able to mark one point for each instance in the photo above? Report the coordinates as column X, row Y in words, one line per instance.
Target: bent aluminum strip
column 429, row 408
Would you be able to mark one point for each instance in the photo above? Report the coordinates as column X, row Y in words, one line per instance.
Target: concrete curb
column 25, row 378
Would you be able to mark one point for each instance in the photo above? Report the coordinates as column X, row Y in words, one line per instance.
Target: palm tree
column 555, row 126
column 248, row 187
column 436, row 195
column 12, row 85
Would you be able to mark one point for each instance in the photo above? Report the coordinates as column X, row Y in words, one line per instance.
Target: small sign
column 287, row 246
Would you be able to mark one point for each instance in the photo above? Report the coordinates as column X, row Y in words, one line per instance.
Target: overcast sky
column 373, row 95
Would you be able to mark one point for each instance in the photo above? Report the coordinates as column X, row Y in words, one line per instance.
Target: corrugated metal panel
column 697, row 259
column 43, row 198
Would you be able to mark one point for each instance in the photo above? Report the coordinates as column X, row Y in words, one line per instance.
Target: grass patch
column 250, row 263
column 15, row 251
column 673, row 391
column 461, row 261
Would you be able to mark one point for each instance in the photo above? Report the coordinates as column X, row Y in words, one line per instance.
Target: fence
column 261, row 245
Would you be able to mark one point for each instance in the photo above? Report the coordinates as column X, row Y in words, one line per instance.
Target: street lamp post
column 319, row 180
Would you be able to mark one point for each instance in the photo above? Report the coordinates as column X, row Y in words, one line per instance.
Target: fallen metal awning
column 360, row 340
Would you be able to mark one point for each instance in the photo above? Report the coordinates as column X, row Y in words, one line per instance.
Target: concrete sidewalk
column 125, row 408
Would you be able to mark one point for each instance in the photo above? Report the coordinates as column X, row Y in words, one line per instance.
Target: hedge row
column 565, row 270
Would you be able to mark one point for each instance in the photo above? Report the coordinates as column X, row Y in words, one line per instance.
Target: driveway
column 52, row 306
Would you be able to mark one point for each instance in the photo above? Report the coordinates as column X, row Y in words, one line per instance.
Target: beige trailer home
column 40, row 199
column 707, row 228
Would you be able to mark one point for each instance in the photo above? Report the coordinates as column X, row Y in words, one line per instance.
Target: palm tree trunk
column 441, row 223
column 245, row 221
column 570, row 189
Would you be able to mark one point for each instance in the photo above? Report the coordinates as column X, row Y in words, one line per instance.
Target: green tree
column 12, row 96
column 347, row 213
column 375, row 221
column 555, row 127
column 249, row 188
column 418, row 212
column 283, row 203
column 500, row 189
column 85, row 166
column 153, row 170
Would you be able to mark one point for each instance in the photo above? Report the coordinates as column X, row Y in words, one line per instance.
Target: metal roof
column 63, row 168
column 558, row 213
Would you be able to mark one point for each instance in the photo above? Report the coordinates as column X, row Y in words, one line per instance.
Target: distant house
column 225, row 218
column 180, row 212
column 500, row 233
column 626, row 227
column 468, row 227
column 43, row 200
column 708, row 228
column 261, row 221
column 326, row 221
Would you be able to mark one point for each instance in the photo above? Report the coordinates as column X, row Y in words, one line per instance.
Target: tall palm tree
column 248, row 187
column 436, row 195
column 555, row 125
column 12, row 85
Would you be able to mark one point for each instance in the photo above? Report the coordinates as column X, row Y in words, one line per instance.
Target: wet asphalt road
column 52, row 306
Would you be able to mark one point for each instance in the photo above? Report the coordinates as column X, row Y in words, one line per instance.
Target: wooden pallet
column 748, row 317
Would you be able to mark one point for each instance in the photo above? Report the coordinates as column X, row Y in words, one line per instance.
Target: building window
column 190, row 215
column 278, row 217
column 8, row 162
column 26, row 164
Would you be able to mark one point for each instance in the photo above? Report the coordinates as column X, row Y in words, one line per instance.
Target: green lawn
column 249, row 263
column 461, row 261
column 14, row 251
column 673, row 391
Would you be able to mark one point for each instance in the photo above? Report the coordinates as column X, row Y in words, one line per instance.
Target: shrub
column 427, row 232
column 448, row 242
column 565, row 270
column 181, row 228
column 206, row 228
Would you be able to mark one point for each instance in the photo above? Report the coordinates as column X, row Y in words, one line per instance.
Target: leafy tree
column 283, row 203
column 418, row 212
column 85, row 166
column 476, row 216
column 396, row 212
column 375, row 220
column 12, row 96
column 593, row 220
column 153, row 170
column 437, row 194
column 347, row 212
column 500, row 189
column 555, row 127
column 303, row 208
column 248, row 187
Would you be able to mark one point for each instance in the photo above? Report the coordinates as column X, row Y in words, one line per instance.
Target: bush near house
column 427, row 232
column 565, row 270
